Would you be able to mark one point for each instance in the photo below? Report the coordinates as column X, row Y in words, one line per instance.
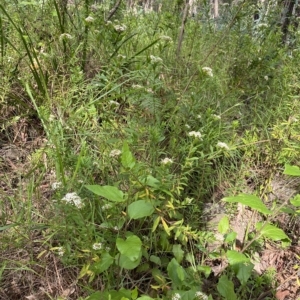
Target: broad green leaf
column 291, row 170
column 140, row 209
column 226, row 288
column 250, row 200
column 127, row 159
column 176, row 273
column 130, row 248
column 206, row 270
column 109, row 192
column 134, row 293
column 243, row 272
column 105, row 262
column 155, row 259
column 125, row 263
column 95, row 296
column 223, row 225
column 178, row 252
column 150, row 181
column 271, row 232
column 235, row 257
column 230, row 237
column 296, row 200
column 144, row 298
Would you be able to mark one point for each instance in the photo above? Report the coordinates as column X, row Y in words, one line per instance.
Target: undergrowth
column 118, row 151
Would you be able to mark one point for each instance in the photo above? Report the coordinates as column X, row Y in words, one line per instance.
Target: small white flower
column 155, row 59
column 60, row 251
column 149, row 90
column 199, row 117
column 107, row 249
column 65, row 36
column 223, row 145
column 120, row 28
column 116, row 228
column 112, row 102
column 108, row 22
column 208, row 71
column 136, row 86
column 73, row 198
column 166, row 38
column 201, row 296
column 262, row 25
column 166, row 161
column 187, row 126
column 115, row 153
column 176, row 296
column 266, row 78
column 56, row 185
column 97, row 246
column 51, row 118
column 195, row 134
column 89, row 19
column 216, row 117
column 106, row 207
column 121, row 56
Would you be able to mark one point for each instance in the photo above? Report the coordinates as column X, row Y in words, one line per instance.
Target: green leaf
column 127, row 159
column 126, row 263
column 178, row 252
column 158, row 276
column 235, row 257
column 176, row 273
column 105, row 262
column 95, row 296
column 250, row 200
column 206, row 270
column 230, row 237
column 109, row 192
column 140, row 209
column 130, row 248
column 226, row 288
column 223, row 225
column 291, row 170
column 155, row 223
column 296, row 200
column 155, row 259
column 271, row 232
column 150, row 181
column 144, row 298
column 243, row 272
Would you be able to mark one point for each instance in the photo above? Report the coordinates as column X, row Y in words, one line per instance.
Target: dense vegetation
column 140, row 151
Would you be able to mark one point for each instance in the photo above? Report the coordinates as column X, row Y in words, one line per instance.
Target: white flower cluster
column 176, row 296
column 208, row 71
column 216, row 117
column 106, row 207
column 97, row 246
column 223, row 146
column 60, row 251
column 155, row 59
column 115, row 153
column 56, row 185
column 166, row 38
column 89, row 19
column 65, row 36
column 195, row 134
column 201, row 296
column 115, row 103
column 73, row 198
column 136, row 86
column 120, row 28
column 166, row 161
